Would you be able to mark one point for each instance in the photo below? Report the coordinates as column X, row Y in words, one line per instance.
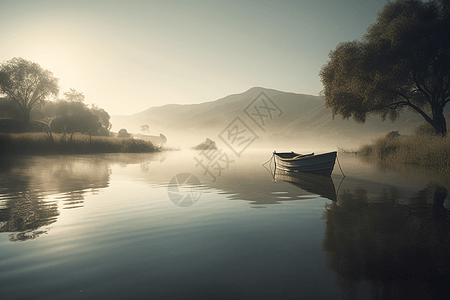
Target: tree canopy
column 145, row 128
column 402, row 61
column 74, row 96
column 123, row 133
column 72, row 114
column 27, row 84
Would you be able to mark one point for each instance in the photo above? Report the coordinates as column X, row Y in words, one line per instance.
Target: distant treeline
column 61, row 115
column 32, row 124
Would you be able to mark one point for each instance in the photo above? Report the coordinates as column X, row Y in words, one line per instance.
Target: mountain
column 296, row 118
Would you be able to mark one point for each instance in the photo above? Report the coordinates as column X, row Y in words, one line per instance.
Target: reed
column 75, row 143
column 416, row 150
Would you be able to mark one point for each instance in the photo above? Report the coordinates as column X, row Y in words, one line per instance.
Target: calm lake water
column 139, row 226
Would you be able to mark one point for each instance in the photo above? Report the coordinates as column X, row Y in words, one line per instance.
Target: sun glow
column 129, row 56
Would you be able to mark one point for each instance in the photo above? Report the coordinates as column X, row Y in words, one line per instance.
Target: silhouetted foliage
column 123, row 133
column 402, row 61
column 74, row 96
column 67, row 115
column 145, row 128
column 207, row 144
column 10, row 109
column 27, row 84
column 103, row 116
column 77, row 123
column 9, row 126
column 425, row 129
column 393, row 134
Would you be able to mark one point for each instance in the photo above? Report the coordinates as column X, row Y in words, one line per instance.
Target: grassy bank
column 416, row 150
column 42, row 143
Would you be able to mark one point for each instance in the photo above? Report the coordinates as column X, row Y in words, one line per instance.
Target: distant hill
column 304, row 119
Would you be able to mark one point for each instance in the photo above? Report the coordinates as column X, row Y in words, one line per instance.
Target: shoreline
column 416, row 150
column 43, row 143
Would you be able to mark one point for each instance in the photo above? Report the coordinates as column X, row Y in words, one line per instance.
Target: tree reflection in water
column 26, row 210
column 27, row 182
column 402, row 249
column 26, row 215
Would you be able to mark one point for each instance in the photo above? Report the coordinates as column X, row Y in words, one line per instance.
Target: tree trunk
column 26, row 119
column 439, row 123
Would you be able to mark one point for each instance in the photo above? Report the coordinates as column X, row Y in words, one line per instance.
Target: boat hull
column 321, row 164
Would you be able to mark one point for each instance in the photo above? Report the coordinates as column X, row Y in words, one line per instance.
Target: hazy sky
column 127, row 56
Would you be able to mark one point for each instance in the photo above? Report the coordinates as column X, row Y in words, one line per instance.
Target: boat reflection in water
column 312, row 183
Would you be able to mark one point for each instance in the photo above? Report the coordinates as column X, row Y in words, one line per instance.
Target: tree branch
column 365, row 78
column 423, row 90
column 13, row 97
column 36, row 99
column 446, row 85
column 448, row 99
column 407, row 102
column 407, row 99
column 397, row 104
column 421, row 112
column 28, row 90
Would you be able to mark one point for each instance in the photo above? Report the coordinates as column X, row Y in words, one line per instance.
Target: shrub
column 123, row 133
column 392, row 135
column 9, row 126
column 207, row 144
column 425, row 129
column 417, row 149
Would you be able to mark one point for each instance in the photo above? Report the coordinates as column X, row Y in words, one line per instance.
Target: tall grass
column 416, row 150
column 43, row 143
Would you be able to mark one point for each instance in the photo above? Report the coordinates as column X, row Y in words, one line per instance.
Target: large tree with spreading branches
column 402, row 62
column 27, row 84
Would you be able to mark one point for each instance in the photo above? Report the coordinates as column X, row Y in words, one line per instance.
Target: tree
column 145, row 128
column 83, row 123
column 403, row 61
column 208, row 144
column 27, row 84
column 73, row 95
column 71, row 114
column 123, row 133
column 103, row 115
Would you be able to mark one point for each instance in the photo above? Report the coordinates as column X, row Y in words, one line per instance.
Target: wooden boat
column 321, row 164
column 316, row 184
